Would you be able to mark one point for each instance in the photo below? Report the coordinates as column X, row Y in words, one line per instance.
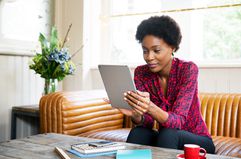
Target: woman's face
column 157, row 54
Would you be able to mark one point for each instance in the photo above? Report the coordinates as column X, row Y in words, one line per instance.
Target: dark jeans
column 169, row 138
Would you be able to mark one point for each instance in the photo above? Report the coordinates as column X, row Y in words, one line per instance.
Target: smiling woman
column 170, row 86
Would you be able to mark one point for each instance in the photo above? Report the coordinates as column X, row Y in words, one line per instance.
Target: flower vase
column 50, row 86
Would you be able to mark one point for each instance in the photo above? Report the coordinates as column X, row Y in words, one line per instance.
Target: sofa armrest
column 74, row 113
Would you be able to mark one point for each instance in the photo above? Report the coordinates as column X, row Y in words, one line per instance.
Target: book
column 61, row 153
column 131, row 154
column 97, row 147
column 111, row 153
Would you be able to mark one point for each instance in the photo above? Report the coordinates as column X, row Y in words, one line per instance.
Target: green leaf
column 44, row 44
column 53, row 39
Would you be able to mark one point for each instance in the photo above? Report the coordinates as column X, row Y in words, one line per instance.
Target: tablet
column 117, row 79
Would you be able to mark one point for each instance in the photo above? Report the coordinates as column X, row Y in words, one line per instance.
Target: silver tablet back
column 117, row 79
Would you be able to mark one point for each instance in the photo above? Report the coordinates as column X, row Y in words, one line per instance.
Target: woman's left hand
column 138, row 100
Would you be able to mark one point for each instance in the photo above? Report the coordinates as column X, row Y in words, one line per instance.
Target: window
column 20, row 24
column 211, row 29
column 222, row 34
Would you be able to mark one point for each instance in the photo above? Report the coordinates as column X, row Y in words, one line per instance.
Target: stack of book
column 91, row 149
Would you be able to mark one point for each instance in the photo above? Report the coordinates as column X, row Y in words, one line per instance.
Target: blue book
column 91, row 155
column 134, row 154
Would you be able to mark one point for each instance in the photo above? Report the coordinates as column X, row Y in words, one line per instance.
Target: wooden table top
column 27, row 108
column 42, row 147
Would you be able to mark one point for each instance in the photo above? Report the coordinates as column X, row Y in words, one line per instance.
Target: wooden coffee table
column 42, row 147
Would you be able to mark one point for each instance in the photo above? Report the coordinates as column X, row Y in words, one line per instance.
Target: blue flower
column 71, row 69
column 63, row 55
column 63, row 67
column 53, row 56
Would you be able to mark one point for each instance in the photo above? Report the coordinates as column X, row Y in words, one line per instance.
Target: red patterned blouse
column 181, row 103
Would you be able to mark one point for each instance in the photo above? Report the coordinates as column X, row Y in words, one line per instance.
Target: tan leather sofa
column 85, row 113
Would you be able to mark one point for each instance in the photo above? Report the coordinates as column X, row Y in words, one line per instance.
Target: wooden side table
column 28, row 111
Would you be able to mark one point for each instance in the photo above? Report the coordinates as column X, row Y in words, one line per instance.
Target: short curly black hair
column 163, row 27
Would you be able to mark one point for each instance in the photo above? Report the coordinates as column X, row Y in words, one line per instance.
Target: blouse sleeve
column 138, row 79
column 188, row 85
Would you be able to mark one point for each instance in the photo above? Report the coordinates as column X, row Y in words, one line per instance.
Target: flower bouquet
column 54, row 61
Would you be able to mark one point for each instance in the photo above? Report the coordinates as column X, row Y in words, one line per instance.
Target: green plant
column 54, row 61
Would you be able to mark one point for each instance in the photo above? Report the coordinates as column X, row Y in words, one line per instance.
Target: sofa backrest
column 222, row 113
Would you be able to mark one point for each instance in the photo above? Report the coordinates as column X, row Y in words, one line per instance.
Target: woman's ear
column 173, row 49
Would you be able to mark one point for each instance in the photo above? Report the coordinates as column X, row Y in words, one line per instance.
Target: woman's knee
column 167, row 138
column 135, row 132
column 167, row 133
column 141, row 135
column 186, row 137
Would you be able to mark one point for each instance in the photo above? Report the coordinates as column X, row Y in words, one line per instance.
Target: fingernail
column 125, row 94
column 125, row 98
column 129, row 92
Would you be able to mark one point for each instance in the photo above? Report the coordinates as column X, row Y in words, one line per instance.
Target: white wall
column 227, row 80
column 18, row 86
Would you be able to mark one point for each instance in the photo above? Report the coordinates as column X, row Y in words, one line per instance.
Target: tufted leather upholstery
column 84, row 113
column 222, row 114
column 74, row 113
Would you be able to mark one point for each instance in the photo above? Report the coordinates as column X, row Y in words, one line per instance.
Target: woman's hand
column 128, row 112
column 139, row 101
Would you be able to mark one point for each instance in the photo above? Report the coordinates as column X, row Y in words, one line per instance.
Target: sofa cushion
column 228, row 146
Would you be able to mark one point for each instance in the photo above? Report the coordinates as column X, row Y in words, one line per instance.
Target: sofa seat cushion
column 228, row 146
column 119, row 135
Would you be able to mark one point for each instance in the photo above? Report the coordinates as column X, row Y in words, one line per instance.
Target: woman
column 168, row 91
